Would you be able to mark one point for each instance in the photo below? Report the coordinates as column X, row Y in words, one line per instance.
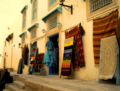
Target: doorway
column 54, row 70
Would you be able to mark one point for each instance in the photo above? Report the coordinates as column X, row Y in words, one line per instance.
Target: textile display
column 81, row 29
column 24, row 52
column 102, row 28
column 109, row 51
column 56, row 57
column 48, row 58
column 67, row 59
column 78, row 47
column 26, row 56
column 20, row 66
column 118, row 32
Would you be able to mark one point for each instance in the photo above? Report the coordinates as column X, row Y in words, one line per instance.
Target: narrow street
column 64, row 84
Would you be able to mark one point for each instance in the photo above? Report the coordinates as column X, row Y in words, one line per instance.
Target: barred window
column 33, row 34
column 24, row 18
column 34, row 12
column 53, row 22
column 98, row 4
column 23, row 39
column 51, row 2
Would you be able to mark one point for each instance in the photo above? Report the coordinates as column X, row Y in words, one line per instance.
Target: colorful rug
column 102, row 28
column 78, row 47
column 67, row 58
column 109, row 51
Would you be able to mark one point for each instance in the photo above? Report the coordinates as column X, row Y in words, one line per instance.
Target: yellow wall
column 90, row 71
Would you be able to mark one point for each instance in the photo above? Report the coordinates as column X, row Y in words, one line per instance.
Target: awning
column 36, row 24
column 26, row 6
column 59, row 9
column 22, row 34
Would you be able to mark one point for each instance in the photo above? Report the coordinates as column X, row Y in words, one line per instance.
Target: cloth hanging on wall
column 48, row 58
column 103, row 27
column 78, row 55
column 20, row 66
column 26, row 56
column 118, row 32
column 24, row 53
column 109, row 51
column 81, row 29
column 66, row 69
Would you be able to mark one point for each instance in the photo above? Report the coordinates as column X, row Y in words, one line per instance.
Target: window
column 33, row 34
column 51, row 2
column 24, row 18
column 34, row 10
column 23, row 39
column 98, row 4
column 53, row 22
column 99, row 8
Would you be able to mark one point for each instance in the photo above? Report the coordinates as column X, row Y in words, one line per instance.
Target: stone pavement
column 68, row 84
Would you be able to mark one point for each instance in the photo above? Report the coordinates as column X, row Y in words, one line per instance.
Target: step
column 6, row 85
column 13, row 88
column 19, row 84
column 6, row 90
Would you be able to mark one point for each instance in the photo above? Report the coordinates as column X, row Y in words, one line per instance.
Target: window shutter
column 49, row 3
column 24, row 18
column 53, row 22
column 33, row 12
column 33, row 34
column 23, row 39
column 98, row 4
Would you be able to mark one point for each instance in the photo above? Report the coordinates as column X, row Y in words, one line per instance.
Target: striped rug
column 102, row 28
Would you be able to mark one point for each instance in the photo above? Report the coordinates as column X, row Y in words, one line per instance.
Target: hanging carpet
column 109, row 51
column 77, row 47
column 102, row 28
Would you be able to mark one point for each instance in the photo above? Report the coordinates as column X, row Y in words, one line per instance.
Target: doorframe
column 56, row 34
column 48, row 34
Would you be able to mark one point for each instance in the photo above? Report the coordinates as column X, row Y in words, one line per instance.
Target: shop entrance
column 54, row 70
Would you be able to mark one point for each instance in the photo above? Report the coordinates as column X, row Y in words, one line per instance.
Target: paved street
column 71, row 84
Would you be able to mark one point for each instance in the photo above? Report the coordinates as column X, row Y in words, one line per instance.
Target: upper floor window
column 51, row 2
column 53, row 22
column 24, row 19
column 33, row 33
column 23, row 39
column 98, row 8
column 98, row 4
column 34, row 10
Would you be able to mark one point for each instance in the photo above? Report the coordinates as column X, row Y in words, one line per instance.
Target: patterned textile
column 109, row 51
column 67, row 54
column 118, row 32
column 103, row 27
column 79, row 54
column 48, row 58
